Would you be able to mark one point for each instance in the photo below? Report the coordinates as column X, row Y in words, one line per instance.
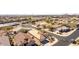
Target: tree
column 72, row 23
column 51, row 29
column 23, row 30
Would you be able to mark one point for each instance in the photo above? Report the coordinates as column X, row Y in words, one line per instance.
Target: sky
column 38, row 7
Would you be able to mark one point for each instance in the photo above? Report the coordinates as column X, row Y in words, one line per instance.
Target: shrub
column 23, row 30
column 6, row 28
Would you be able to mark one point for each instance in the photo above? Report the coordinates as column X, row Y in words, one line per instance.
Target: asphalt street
column 63, row 41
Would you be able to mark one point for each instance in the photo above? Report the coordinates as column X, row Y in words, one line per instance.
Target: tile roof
column 32, row 36
column 2, row 32
column 21, row 38
column 4, row 41
column 36, row 34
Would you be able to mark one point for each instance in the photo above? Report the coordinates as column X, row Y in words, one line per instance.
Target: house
column 63, row 29
column 2, row 32
column 37, row 36
column 4, row 41
column 23, row 39
column 31, row 38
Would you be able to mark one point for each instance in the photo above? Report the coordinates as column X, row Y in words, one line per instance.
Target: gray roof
column 62, row 28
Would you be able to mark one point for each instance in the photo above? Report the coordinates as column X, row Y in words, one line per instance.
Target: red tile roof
column 21, row 38
column 4, row 41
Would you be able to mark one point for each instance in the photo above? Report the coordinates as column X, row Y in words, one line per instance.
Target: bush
column 6, row 28
column 74, row 42
column 23, row 30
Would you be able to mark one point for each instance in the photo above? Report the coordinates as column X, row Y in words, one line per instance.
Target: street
column 63, row 41
column 67, row 39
